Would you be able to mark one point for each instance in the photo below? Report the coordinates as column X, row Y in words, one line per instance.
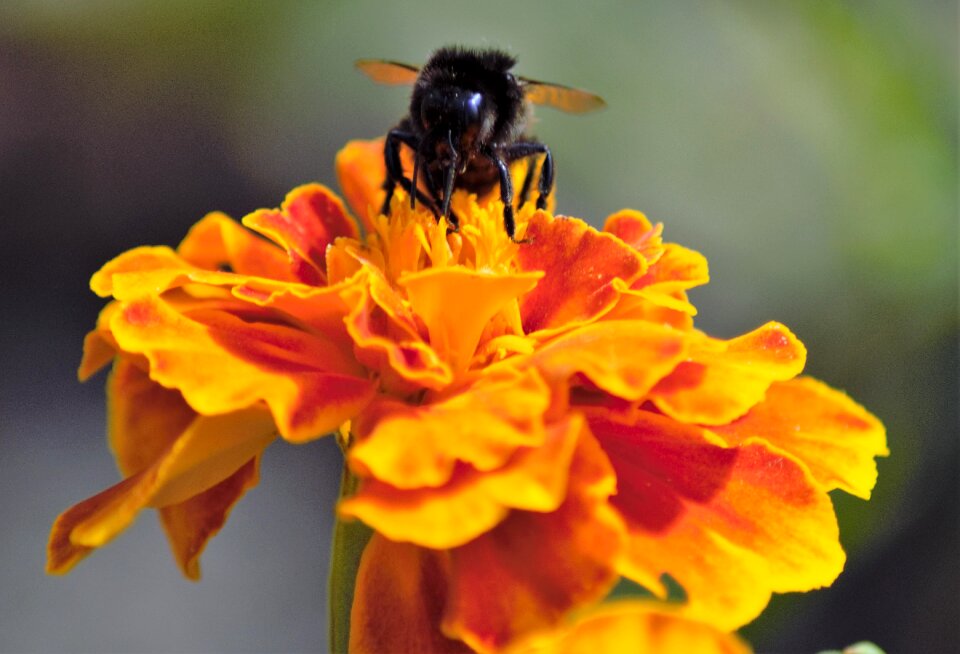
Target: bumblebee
column 466, row 125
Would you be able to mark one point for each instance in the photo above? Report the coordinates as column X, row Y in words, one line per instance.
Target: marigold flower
column 528, row 422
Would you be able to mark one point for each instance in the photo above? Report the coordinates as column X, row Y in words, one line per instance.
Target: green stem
column 349, row 539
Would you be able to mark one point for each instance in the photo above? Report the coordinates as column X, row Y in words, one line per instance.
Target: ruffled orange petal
column 482, row 425
column 218, row 241
column 471, row 503
column 191, row 524
column 721, row 380
column 99, row 346
column 387, row 338
column 398, row 601
column 624, row 358
column 309, row 220
column 207, row 452
column 580, row 266
column 457, row 303
column 640, row 627
column 222, row 363
column 833, row 435
column 731, row 525
column 534, row 567
column 360, row 173
column 634, row 229
column 145, row 419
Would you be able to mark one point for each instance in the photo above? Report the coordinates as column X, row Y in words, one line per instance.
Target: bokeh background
column 808, row 149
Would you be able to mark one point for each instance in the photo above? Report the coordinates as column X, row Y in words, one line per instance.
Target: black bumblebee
column 466, row 125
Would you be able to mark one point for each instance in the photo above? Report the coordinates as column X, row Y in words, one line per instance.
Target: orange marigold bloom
column 528, row 422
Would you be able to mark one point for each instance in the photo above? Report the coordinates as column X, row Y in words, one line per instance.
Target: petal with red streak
column 580, row 266
column 731, row 525
column 535, row 479
column 191, row 524
column 398, row 602
column 309, row 220
column 634, row 229
column 222, row 363
column 411, row 446
column 526, row 574
column 387, row 337
column 218, row 241
column 210, row 450
column 833, row 435
column 624, row 358
column 722, row 380
column 145, row 420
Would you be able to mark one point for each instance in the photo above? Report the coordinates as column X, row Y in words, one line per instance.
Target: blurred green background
column 808, row 149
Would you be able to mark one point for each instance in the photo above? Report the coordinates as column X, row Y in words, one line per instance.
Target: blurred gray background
column 808, row 149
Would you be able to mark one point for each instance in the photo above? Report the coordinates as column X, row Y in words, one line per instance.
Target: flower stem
column 349, row 539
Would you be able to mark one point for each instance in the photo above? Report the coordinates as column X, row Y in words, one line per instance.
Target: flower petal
column 482, row 425
column 191, row 524
column 457, row 303
column 624, row 358
column 387, row 338
column 634, row 229
column 398, row 602
column 360, row 173
column 218, row 241
column 721, row 380
column 833, row 435
column 309, row 220
column 633, row 626
column 731, row 525
column 207, row 452
column 535, row 479
column 534, row 567
column 580, row 266
column 221, row 364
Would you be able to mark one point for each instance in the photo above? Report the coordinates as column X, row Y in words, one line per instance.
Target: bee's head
column 462, row 116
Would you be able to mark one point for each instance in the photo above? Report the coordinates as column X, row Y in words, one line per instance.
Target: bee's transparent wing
column 564, row 98
column 388, row 72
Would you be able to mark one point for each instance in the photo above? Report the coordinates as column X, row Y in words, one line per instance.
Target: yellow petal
column 457, row 303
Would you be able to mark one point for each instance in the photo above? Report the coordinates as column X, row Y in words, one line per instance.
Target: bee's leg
column 391, row 157
column 506, row 193
column 527, row 183
column 527, row 149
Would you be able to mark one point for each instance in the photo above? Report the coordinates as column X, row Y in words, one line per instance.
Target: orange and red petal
column 471, row 502
column 387, row 338
column 309, row 220
column 634, row 229
column 833, row 435
column 526, row 574
column 210, row 450
column 731, row 525
column 721, row 380
column 625, row 358
column 218, row 242
column 399, row 599
column 580, row 266
column 222, row 363
column 191, row 524
column 636, row 626
column 410, row 446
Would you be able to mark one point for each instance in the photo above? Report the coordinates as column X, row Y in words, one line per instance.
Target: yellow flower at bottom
column 528, row 421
